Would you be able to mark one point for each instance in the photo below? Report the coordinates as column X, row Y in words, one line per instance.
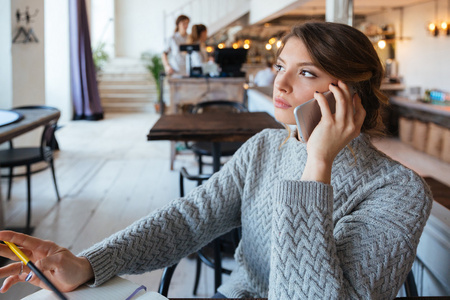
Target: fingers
column 25, row 243
column 7, row 253
column 13, row 274
column 344, row 104
column 13, row 269
column 323, row 104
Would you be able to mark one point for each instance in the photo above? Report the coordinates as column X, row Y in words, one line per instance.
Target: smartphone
column 308, row 115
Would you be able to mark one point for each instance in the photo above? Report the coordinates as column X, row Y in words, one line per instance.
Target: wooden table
column 211, row 127
column 32, row 118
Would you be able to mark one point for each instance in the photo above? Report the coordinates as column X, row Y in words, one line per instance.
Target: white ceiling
column 316, row 9
column 361, row 7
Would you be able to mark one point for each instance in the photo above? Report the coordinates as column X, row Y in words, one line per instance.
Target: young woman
column 199, row 34
column 332, row 218
column 174, row 61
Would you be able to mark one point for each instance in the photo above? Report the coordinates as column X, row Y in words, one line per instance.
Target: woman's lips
column 281, row 103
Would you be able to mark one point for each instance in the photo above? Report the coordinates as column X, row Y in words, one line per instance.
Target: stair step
column 125, row 82
column 127, row 95
column 129, row 107
column 125, row 85
column 127, row 90
column 124, row 74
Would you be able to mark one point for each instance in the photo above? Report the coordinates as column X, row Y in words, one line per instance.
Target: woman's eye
column 307, row 73
column 278, row 67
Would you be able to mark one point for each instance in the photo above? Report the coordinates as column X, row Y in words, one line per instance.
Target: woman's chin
column 284, row 117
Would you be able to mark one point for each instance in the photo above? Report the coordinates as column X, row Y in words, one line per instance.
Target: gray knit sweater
column 355, row 238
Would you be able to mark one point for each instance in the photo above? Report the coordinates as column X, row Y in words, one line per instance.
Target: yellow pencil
column 33, row 268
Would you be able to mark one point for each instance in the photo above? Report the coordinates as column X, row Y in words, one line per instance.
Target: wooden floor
column 109, row 175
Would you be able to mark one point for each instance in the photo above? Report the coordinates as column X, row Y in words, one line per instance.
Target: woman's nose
column 282, row 84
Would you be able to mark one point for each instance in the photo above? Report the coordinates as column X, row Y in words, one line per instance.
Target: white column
column 57, row 57
column 6, row 90
column 339, row 11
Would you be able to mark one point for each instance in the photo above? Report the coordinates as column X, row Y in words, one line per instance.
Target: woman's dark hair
column 196, row 32
column 180, row 19
column 347, row 54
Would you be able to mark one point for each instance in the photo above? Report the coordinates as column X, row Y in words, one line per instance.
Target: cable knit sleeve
column 364, row 255
column 180, row 228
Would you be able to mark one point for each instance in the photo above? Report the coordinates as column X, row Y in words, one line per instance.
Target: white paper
column 116, row 288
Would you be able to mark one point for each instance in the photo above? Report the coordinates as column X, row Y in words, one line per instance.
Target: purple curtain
column 85, row 95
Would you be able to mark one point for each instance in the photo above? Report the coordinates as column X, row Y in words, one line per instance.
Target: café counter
column 192, row 90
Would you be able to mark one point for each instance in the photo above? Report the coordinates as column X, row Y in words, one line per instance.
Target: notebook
column 116, row 288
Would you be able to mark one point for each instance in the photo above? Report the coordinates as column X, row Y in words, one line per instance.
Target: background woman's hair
column 196, row 32
column 180, row 19
column 347, row 54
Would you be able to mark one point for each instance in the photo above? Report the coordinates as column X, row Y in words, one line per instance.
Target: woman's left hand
column 333, row 132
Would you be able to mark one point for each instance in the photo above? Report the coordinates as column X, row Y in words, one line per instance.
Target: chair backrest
column 222, row 105
column 48, row 135
column 47, row 140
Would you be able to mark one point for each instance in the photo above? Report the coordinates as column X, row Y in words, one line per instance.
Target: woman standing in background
column 199, row 34
column 174, row 61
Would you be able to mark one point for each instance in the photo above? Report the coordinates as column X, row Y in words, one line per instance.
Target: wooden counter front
column 192, row 90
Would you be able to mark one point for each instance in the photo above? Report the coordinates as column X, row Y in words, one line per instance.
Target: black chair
column 166, row 277
column 229, row 241
column 27, row 156
column 205, row 148
column 410, row 285
column 211, row 255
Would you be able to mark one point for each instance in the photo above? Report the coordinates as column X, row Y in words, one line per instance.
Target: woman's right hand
column 65, row 270
column 169, row 70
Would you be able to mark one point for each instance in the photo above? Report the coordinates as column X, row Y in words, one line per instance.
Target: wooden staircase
column 125, row 85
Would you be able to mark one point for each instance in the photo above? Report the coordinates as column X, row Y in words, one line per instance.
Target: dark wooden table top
column 33, row 118
column 441, row 192
column 212, row 127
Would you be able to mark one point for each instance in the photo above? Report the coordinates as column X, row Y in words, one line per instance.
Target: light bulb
column 235, row 46
column 381, row 44
column 246, row 46
column 433, row 29
column 444, row 25
column 278, row 44
column 221, row 46
column 268, row 46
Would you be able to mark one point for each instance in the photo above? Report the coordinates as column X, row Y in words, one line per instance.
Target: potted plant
column 154, row 65
column 100, row 56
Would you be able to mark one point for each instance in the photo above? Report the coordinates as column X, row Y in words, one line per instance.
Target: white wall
column 260, row 10
column 102, row 25
column 6, row 91
column 139, row 25
column 423, row 60
column 57, row 57
column 28, row 58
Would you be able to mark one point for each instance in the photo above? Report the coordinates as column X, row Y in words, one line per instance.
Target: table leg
column 173, row 153
column 216, row 152
column 217, row 265
column 2, row 223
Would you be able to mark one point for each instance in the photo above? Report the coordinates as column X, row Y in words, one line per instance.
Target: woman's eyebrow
column 300, row 64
